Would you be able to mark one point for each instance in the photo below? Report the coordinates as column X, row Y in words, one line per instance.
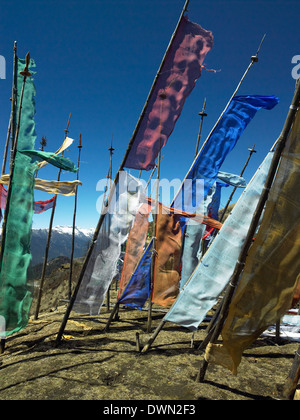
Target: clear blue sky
column 98, row 59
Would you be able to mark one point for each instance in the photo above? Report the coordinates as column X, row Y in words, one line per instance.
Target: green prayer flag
column 58, row 161
column 15, row 292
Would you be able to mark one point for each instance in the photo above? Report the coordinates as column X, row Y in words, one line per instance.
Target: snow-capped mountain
column 60, row 244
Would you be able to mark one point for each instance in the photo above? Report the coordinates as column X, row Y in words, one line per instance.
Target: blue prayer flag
column 224, row 137
column 138, row 289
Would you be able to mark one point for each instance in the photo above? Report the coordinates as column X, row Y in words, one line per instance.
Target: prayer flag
column 177, row 78
column 15, row 292
column 270, row 278
column 55, row 160
column 135, row 245
column 167, row 261
column 137, row 290
column 66, row 188
column 213, row 272
column 38, row 206
column 224, row 137
column 102, row 266
column 41, row 206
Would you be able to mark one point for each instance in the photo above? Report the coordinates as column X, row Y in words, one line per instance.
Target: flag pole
column 116, row 180
column 253, row 226
column 202, row 114
column 154, row 252
column 111, row 152
column 40, row 292
column 6, row 148
column 254, row 59
column 10, row 130
column 74, row 222
column 14, row 99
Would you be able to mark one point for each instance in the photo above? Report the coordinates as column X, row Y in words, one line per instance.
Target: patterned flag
column 270, row 278
column 182, row 67
column 223, row 139
column 15, row 292
column 38, row 206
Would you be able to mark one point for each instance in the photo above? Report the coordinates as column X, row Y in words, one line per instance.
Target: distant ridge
column 61, row 241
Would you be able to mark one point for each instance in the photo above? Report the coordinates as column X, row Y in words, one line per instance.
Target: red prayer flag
column 38, row 206
column 180, row 71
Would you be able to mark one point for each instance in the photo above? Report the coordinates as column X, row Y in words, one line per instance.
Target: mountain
column 60, row 244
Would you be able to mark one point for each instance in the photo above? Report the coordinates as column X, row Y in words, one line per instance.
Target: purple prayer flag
column 180, row 71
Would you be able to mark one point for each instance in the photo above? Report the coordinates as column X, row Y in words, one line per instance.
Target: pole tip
column 25, row 72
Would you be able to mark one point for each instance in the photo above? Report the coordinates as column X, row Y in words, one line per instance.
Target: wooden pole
column 293, row 378
column 6, row 148
column 11, row 125
column 74, row 222
column 111, row 152
column 202, row 114
column 39, row 298
column 253, row 226
column 14, row 100
column 12, row 121
column 116, row 180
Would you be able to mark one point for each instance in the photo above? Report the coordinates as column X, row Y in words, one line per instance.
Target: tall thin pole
column 40, row 292
column 11, row 125
column 14, row 100
column 102, row 216
column 6, row 148
column 154, row 256
column 202, row 114
column 74, row 222
column 235, row 188
column 111, row 152
column 253, row 226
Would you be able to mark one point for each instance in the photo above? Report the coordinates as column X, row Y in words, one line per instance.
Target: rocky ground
column 90, row 364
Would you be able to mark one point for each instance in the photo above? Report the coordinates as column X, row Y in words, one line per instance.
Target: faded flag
column 270, row 278
column 38, row 206
column 223, row 139
column 15, row 291
column 138, row 289
column 213, row 272
column 102, row 266
column 177, row 78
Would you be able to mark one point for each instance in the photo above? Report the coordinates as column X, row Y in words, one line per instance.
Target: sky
column 97, row 60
